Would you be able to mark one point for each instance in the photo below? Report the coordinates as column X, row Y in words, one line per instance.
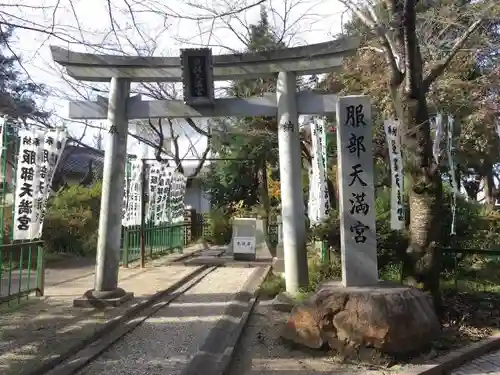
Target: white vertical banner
column 166, row 194
column 125, row 195
column 453, row 179
column 152, row 191
column 318, row 188
column 167, row 202
column 39, row 182
column 324, row 198
column 311, row 194
column 177, row 192
column 393, row 136
column 436, row 147
column 54, row 142
column 134, row 196
column 25, row 199
column 313, row 208
column 162, row 191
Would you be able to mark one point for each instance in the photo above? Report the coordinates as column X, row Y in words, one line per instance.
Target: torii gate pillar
column 292, row 202
column 106, row 291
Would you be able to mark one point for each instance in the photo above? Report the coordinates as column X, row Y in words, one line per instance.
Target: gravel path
column 166, row 341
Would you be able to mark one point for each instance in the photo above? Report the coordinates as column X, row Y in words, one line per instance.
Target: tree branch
column 199, row 130
column 202, row 160
column 177, row 158
column 439, row 68
column 391, row 55
column 159, row 132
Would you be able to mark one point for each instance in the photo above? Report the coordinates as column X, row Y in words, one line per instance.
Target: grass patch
column 319, row 272
column 272, row 285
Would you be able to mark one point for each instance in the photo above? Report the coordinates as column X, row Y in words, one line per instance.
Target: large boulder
column 391, row 318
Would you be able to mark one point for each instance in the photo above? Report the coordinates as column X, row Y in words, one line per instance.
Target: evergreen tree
column 251, row 140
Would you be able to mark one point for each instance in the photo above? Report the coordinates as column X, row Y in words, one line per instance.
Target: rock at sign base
column 391, row 318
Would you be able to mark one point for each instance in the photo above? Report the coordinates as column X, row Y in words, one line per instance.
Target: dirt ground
column 262, row 352
column 469, row 317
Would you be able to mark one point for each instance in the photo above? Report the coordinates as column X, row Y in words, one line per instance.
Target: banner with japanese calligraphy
column 153, row 172
column 313, row 204
column 166, row 190
column 38, row 157
column 319, row 202
column 393, row 136
column 178, row 192
column 323, row 165
column 52, row 148
column 163, row 214
column 356, row 191
column 133, row 194
column 125, row 195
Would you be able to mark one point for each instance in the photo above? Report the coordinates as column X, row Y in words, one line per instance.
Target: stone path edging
column 215, row 354
column 112, row 324
column 446, row 364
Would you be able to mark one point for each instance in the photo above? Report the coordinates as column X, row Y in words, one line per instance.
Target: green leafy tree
column 251, row 142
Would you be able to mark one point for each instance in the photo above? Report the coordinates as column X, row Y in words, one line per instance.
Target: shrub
column 477, row 226
column 220, row 228
column 72, row 221
column 390, row 243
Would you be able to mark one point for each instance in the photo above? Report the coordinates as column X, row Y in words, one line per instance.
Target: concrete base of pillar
column 99, row 300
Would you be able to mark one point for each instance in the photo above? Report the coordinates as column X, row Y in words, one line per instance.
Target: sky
column 158, row 27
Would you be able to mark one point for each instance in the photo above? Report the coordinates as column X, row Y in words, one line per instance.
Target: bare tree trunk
column 332, row 193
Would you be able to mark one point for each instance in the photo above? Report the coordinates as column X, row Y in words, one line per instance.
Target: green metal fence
column 157, row 240
column 21, row 271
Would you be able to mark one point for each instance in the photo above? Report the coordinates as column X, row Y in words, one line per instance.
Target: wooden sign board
column 197, row 76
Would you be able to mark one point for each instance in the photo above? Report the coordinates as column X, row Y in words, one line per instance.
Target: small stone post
column 356, row 191
column 292, row 201
column 106, row 291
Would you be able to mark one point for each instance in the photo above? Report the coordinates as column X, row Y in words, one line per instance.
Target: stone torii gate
column 197, row 69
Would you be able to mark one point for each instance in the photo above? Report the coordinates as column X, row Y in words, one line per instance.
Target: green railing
column 21, row 271
column 158, row 240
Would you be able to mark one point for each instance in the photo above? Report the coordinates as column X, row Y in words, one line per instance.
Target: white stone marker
column 244, row 238
column 356, row 191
